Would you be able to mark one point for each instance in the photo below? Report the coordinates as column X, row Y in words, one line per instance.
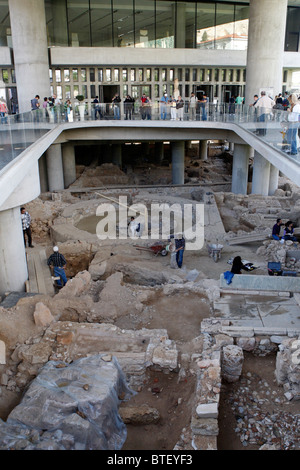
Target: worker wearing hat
column 57, row 261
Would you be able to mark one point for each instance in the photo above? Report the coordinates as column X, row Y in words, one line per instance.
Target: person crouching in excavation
column 57, row 261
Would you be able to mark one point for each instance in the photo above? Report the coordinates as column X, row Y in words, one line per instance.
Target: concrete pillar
column 266, row 35
column 240, row 167
column 69, row 165
column 177, row 162
column 117, row 155
column 261, row 175
column 55, row 168
column 231, row 146
column 13, row 266
column 29, row 39
column 159, row 152
column 203, row 149
column 273, row 183
column 43, row 174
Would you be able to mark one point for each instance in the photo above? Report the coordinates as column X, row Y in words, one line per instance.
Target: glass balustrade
column 19, row 131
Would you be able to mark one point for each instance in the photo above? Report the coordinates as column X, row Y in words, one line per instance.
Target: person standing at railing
column 173, row 108
column 3, row 111
column 193, row 106
column 116, row 106
column 293, row 118
column 203, row 105
column 97, row 109
column 128, row 107
column 179, row 108
column 143, row 106
column 35, row 106
column 148, row 107
column 264, row 106
column 163, row 106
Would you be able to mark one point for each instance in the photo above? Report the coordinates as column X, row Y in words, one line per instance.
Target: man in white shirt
column 192, row 107
column 264, row 105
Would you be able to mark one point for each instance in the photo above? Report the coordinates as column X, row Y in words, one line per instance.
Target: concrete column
column 117, row 155
column 203, row 149
column 29, row 39
column 240, row 167
column 159, row 152
column 261, row 175
column 43, row 173
column 267, row 22
column 13, row 266
column 55, row 168
column 177, row 162
column 273, row 183
column 69, row 165
column 231, row 146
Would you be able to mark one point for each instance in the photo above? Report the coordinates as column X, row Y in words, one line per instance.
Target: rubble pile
column 286, row 253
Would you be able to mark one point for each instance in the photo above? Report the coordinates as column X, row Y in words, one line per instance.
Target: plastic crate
column 274, row 269
column 289, row 273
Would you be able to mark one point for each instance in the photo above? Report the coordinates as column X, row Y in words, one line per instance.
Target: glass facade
column 147, row 23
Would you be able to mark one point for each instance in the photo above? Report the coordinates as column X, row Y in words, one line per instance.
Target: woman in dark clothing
column 237, row 265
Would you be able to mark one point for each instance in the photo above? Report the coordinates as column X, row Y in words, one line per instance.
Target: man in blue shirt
column 179, row 249
column 163, row 106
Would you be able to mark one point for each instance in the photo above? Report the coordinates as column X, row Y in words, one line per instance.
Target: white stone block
column 207, row 410
column 2, row 353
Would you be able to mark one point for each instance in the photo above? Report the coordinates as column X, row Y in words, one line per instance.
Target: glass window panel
column 68, row 92
column 93, row 91
column 84, row 91
column 224, row 26
column 238, row 75
column 216, row 75
column 171, row 90
column 5, row 33
column 116, row 75
column 187, row 90
column 100, row 75
column 165, row 21
column 209, row 75
column 194, row 75
column 185, row 24
column 5, row 75
column 132, row 75
column 101, row 23
column 59, row 92
column 141, row 75
column 75, row 91
column 171, row 75
column 125, row 75
column 75, row 75
column 50, row 75
column 13, row 76
column 147, row 90
column 156, row 91
column 58, row 75
column 187, row 75
column 83, row 75
column 230, row 72
column 108, row 75
column 223, row 75
column 202, row 75
column 56, row 23
column 123, row 24
column 134, row 91
column 205, row 32
column 148, row 75
column 78, row 23
column 144, row 23
column 92, row 75
column 125, row 90
column 164, row 75
column 66, row 75
column 179, row 74
column 156, row 75
column 241, row 26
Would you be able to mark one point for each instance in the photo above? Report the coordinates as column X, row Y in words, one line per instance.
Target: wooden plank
column 49, row 287
column 32, row 284
column 39, row 273
column 247, row 239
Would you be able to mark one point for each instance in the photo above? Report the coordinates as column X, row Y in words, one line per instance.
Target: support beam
column 177, row 162
column 13, row 266
column 267, row 23
column 261, row 175
column 240, row 168
column 55, row 168
column 69, row 166
column 203, row 149
column 30, row 48
column 273, row 183
column 159, row 152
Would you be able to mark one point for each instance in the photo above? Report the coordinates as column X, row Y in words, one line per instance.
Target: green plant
column 80, row 98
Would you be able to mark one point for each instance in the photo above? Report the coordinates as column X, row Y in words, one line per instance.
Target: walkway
column 39, row 275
